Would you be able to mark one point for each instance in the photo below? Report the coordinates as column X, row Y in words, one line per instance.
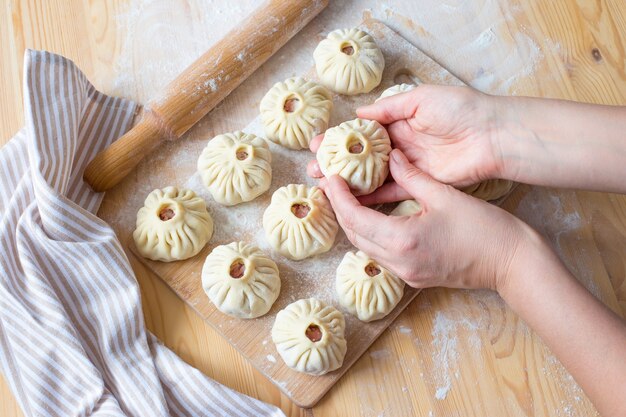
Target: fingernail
column 323, row 185
column 395, row 155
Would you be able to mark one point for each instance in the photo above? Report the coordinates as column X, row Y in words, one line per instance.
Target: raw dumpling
column 300, row 222
column 309, row 336
column 240, row 280
column 172, row 225
column 490, row 190
column 407, row 208
column 295, row 111
column 358, row 151
column 366, row 289
column 396, row 89
column 348, row 61
column 236, row 167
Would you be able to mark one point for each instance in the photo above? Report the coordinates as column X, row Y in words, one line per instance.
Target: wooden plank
column 251, row 337
column 564, row 32
column 450, row 345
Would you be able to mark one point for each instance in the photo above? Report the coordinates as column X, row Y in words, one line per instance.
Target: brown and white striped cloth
column 72, row 335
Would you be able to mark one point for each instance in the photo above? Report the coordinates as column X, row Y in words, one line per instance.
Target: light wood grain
column 202, row 85
column 404, row 62
column 397, row 376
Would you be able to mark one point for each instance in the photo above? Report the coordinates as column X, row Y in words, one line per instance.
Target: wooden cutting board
column 308, row 278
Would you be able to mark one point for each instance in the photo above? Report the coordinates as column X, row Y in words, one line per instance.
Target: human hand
column 450, row 133
column 455, row 241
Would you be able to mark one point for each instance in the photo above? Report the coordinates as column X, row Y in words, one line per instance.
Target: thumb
column 388, row 110
column 412, row 179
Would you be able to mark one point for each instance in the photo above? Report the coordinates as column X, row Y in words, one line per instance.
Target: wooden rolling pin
column 202, row 86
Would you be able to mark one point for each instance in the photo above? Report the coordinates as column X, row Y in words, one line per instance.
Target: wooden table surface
column 451, row 352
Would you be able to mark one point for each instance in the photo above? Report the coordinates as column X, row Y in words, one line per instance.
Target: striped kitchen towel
column 72, row 336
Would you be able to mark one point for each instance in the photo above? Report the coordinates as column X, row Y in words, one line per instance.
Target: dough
column 309, row 336
column 172, row 225
column 366, row 289
column 300, row 222
column 406, row 208
column 358, row 151
column 490, row 190
column 487, row 190
column 396, row 89
column 240, row 280
column 348, row 61
column 236, row 167
column 295, row 111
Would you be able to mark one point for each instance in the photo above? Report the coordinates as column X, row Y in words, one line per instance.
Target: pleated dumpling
column 366, row 289
column 300, row 222
column 240, row 280
column 294, row 111
column 407, row 208
column 348, row 61
column 490, row 190
column 309, row 336
column 396, row 89
column 172, row 225
column 358, row 151
column 236, row 167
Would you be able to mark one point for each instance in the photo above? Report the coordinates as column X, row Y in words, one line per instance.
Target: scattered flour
column 159, row 41
column 481, row 51
column 486, row 38
column 380, row 354
column 284, row 387
column 554, row 370
column 551, row 212
column 446, row 354
column 454, row 332
column 404, row 330
column 211, row 83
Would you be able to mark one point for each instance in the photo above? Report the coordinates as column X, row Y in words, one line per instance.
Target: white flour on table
column 561, row 225
column 483, row 51
column 161, row 40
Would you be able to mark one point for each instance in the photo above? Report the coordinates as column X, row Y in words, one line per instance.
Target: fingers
column 399, row 107
column 313, row 169
column 355, row 219
column 387, row 193
column 315, row 143
column 413, row 180
column 323, row 184
column 402, row 134
column 373, row 249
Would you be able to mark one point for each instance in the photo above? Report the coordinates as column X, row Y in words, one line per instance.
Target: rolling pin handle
column 110, row 166
column 209, row 80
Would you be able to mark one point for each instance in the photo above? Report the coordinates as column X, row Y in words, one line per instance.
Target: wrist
column 530, row 255
column 503, row 133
